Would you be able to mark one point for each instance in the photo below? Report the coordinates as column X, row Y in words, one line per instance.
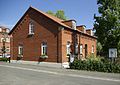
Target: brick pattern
column 45, row 30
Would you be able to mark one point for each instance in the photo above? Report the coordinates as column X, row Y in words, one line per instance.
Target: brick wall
column 45, row 31
column 81, row 39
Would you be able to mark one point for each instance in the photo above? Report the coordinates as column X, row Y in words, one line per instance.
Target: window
column 0, row 29
column 2, row 39
column 20, row 50
column 74, row 25
column 81, row 49
column 44, row 48
column 7, row 49
column 68, row 47
column 7, row 39
column 0, row 49
column 76, row 48
column 7, row 30
column 92, row 48
column 31, row 28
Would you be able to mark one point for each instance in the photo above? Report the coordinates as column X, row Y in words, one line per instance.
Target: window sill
column 43, row 56
column 67, row 56
column 31, row 34
column 20, row 55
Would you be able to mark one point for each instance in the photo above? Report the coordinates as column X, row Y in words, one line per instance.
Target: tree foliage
column 50, row 12
column 59, row 14
column 107, row 24
column 99, row 48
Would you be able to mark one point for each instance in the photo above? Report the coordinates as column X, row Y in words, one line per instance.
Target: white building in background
column 4, row 41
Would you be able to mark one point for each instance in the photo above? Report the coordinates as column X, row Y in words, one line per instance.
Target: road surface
column 24, row 74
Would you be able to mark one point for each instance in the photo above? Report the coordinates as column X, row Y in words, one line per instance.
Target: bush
column 4, row 59
column 96, row 64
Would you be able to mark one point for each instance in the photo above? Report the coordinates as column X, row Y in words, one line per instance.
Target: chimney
column 70, row 23
column 81, row 28
column 90, row 32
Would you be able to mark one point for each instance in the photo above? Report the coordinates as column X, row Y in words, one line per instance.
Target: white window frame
column 7, row 49
column 0, row 49
column 19, row 50
column 92, row 48
column 2, row 39
column 0, row 29
column 68, row 48
column 76, row 48
column 74, row 25
column 7, row 39
column 81, row 48
column 44, row 49
column 31, row 27
column 7, row 30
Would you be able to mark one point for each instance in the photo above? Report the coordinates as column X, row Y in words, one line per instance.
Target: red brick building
column 4, row 41
column 39, row 34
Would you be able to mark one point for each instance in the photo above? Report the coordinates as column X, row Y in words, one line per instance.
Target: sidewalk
column 55, row 68
column 44, row 64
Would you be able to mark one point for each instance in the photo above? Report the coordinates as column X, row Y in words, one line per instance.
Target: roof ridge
column 52, row 17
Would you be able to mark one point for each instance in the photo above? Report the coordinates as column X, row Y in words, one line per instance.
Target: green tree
column 107, row 24
column 50, row 12
column 99, row 48
column 59, row 14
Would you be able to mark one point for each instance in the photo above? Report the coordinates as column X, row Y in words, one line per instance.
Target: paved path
column 23, row 74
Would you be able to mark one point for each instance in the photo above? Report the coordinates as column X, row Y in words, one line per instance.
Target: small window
column 44, row 48
column 31, row 28
column 74, row 25
column 1, row 49
column 7, row 30
column 7, row 49
column 0, row 29
column 81, row 49
column 20, row 50
column 7, row 39
column 92, row 48
column 76, row 48
column 2, row 39
column 68, row 47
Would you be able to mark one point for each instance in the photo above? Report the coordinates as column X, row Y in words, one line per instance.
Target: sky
column 80, row 10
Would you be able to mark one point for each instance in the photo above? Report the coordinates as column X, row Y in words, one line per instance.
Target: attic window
column 0, row 29
column 74, row 25
column 31, row 27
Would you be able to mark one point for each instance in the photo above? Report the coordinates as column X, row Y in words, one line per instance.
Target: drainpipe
column 58, row 46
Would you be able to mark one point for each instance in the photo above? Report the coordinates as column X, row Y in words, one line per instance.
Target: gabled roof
column 53, row 18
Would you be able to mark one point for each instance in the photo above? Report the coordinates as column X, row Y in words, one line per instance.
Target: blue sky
column 80, row 10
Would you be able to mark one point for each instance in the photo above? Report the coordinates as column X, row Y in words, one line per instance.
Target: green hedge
column 4, row 59
column 94, row 64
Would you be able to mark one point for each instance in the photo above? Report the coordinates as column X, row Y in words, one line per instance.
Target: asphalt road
column 21, row 74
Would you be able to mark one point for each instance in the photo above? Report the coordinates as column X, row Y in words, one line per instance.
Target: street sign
column 112, row 52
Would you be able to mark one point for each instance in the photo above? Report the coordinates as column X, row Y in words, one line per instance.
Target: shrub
column 4, row 59
column 96, row 64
